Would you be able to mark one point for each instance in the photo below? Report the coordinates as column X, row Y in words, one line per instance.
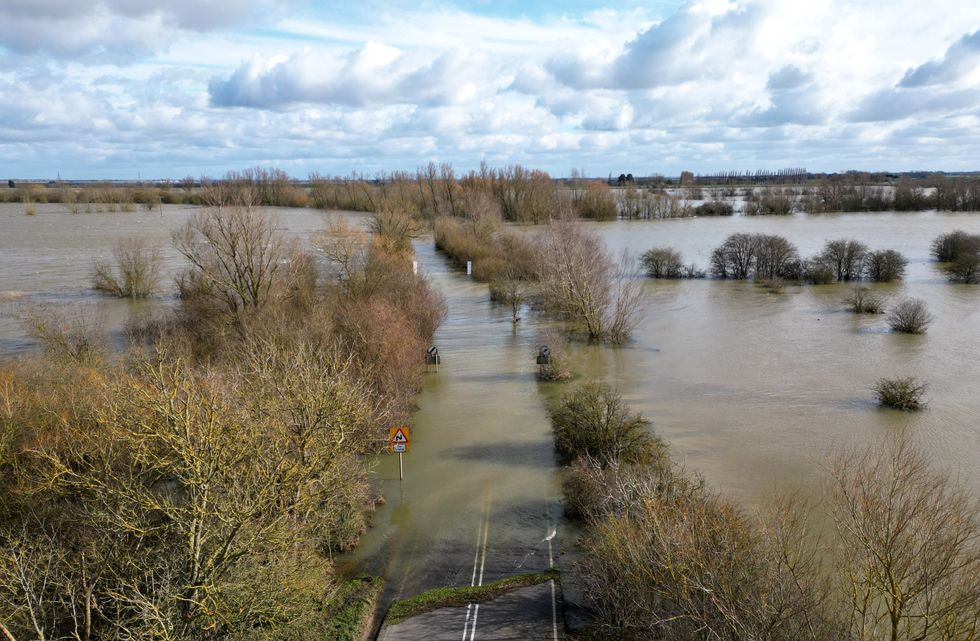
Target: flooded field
column 753, row 389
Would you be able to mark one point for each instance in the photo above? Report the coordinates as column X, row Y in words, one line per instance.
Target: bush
column 947, row 247
column 910, row 316
column 715, row 208
column 964, row 269
column 136, row 273
column 884, row 266
column 900, row 393
column 557, row 369
column 845, row 257
column 818, row 273
column 863, row 301
column 760, row 256
column 769, row 203
column 593, row 420
column 662, row 262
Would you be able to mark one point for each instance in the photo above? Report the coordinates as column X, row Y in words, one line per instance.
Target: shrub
column 769, row 203
column 594, row 420
column 863, row 301
column 845, row 257
column 884, row 266
column 910, row 316
column 818, row 273
column 760, row 256
column 965, row 268
column 136, row 273
column 512, row 292
column 947, row 247
column 900, row 393
column 715, row 208
column 558, row 368
column 662, row 262
column 693, row 271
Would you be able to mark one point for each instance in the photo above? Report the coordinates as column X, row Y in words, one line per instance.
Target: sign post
column 398, row 443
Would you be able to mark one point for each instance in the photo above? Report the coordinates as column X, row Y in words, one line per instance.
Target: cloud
column 119, row 29
column 961, row 57
column 116, row 87
column 375, row 74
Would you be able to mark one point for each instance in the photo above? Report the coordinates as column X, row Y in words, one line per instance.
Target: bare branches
column 582, row 284
column 235, row 254
column 136, row 272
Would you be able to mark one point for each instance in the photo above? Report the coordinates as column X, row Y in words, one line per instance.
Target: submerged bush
column 557, row 369
column 961, row 253
column 760, row 256
column 884, row 266
column 965, row 268
column 863, row 301
column 715, row 208
column 900, row 393
column 845, row 257
column 136, row 272
column 662, row 262
column 594, row 420
column 947, row 247
column 910, row 316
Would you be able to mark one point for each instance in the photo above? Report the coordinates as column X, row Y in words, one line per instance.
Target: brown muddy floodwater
column 752, row 389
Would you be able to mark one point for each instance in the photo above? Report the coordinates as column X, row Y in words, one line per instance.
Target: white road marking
column 483, row 532
column 483, row 563
column 476, row 562
column 554, row 605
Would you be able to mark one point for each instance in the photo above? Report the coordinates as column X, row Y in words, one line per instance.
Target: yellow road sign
column 398, row 439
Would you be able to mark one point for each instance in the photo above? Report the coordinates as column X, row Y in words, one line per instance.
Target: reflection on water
column 751, row 388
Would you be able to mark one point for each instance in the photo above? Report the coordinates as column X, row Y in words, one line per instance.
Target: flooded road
column 752, row 389
column 481, row 488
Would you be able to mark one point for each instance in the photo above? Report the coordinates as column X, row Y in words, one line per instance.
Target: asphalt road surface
column 525, row 614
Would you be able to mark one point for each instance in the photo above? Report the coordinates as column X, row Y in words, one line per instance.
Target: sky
column 150, row 89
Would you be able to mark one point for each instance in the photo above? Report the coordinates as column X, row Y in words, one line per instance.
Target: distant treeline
column 522, row 194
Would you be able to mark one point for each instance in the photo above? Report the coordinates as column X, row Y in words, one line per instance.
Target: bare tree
column 774, row 254
column 909, row 547
column 235, row 255
column 845, row 257
column 663, row 262
column 735, row 258
column 581, row 283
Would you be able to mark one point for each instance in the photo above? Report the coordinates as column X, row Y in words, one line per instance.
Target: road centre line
column 482, row 531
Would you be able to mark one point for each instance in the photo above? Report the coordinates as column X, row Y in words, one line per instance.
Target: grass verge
column 352, row 613
column 461, row 595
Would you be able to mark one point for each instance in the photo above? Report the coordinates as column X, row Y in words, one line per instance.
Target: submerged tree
column 581, row 283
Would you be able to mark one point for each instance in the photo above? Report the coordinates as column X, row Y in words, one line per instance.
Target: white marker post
column 469, row 268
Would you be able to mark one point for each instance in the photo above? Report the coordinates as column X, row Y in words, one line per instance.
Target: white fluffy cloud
column 373, row 75
column 112, row 87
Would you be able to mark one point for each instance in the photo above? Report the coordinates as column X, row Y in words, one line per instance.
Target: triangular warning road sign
column 398, row 435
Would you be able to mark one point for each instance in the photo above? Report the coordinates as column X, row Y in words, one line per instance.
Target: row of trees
column 767, row 257
column 197, row 485
column 665, row 558
column 565, row 270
